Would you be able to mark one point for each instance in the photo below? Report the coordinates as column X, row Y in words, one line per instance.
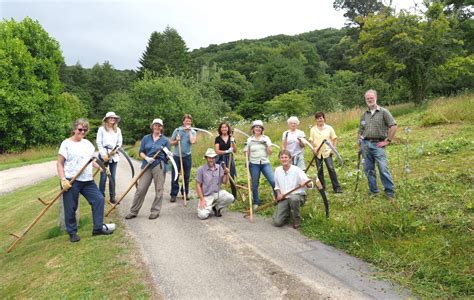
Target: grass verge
column 46, row 265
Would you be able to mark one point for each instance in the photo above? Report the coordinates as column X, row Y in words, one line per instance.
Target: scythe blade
column 171, row 159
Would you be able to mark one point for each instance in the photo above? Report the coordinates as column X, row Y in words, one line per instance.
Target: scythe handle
column 19, row 238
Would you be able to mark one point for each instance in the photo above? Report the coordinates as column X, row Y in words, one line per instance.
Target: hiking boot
column 130, row 216
column 74, row 238
column 153, row 216
column 296, row 224
column 173, row 199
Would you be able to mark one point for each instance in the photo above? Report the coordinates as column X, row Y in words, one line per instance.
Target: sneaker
column 255, row 206
column 130, row 216
column 102, row 231
column 74, row 238
column 153, row 216
column 109, row 227
column 173, row 199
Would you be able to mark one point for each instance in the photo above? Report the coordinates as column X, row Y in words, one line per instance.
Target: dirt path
column 231, row 258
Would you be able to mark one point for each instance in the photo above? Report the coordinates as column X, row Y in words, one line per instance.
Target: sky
column 117, row 31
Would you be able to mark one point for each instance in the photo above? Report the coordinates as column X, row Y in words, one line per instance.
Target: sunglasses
column 82, row 129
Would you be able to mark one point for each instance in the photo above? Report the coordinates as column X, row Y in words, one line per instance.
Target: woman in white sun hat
column 109, row 137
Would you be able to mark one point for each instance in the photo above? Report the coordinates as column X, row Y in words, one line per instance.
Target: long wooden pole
column 48, row 205
column 182, row 173
column 249, row 183
column 282, row 197
column 132, row 183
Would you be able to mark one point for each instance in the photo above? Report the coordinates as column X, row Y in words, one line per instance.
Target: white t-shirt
column 76, row 155
column 286, row 181
column 293, row 145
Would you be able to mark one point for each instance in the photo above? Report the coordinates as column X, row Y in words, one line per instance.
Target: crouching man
column 208, row 181
column 290, row 184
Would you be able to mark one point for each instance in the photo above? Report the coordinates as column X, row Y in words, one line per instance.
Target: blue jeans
column 266, row 170
column 103, row 180
column 70, row 201
column 225, row 159
column 187, row 164
column 373, row 154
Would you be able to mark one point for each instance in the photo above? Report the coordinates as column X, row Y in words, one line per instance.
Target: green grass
column 46, row 265
column 32, row 156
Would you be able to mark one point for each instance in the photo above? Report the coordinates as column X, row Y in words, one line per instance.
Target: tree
column 232, row 86
column 30, row 110
column 358, row 8
column 294, row 103
column 406, row 46
column 166, row 54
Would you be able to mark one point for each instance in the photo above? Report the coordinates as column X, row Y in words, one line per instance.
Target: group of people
column 289, row 181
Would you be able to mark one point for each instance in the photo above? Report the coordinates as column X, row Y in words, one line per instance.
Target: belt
column 374, row 139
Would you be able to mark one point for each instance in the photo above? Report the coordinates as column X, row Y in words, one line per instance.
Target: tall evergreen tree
column 166, row 53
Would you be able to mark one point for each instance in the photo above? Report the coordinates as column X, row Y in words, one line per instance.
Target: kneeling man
column 290, row 185
column 208, row 181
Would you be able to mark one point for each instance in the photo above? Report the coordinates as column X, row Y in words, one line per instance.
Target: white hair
column 293, row 119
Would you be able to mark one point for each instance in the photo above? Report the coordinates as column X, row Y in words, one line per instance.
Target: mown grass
column 32, row 156
column 423, row 241
column 46, row 265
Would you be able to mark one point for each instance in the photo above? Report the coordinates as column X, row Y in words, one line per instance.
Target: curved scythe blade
column 305, row 141
column 241, row 132
column 122, row 151
column 104, row 169
column 171, row 159
column 202, row 130
column 335, row 152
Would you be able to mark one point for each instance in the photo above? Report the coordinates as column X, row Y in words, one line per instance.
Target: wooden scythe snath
column 132, row 183
column 48, row 206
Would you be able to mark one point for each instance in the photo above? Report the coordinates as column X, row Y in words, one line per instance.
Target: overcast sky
column 117, row 31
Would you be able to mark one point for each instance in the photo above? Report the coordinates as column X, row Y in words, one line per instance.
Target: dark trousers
column 71, row 198
column 187, row 165
column 103, row 180
column 332, row 172
column 225, row 159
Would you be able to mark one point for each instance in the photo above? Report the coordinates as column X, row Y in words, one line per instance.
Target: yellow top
column 316, row 137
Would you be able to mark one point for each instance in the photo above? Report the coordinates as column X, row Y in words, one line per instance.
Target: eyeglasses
column 82, row 129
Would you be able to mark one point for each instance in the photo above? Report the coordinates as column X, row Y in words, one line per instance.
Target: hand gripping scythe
column 135, row 179
column 49, row 204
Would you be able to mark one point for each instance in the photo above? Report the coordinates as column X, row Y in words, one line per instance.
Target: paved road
column 231, row 258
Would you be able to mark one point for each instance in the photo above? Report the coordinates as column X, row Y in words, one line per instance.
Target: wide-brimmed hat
column 157, row 121
column 257, row 123
column 111, row 114
column 210, row 153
